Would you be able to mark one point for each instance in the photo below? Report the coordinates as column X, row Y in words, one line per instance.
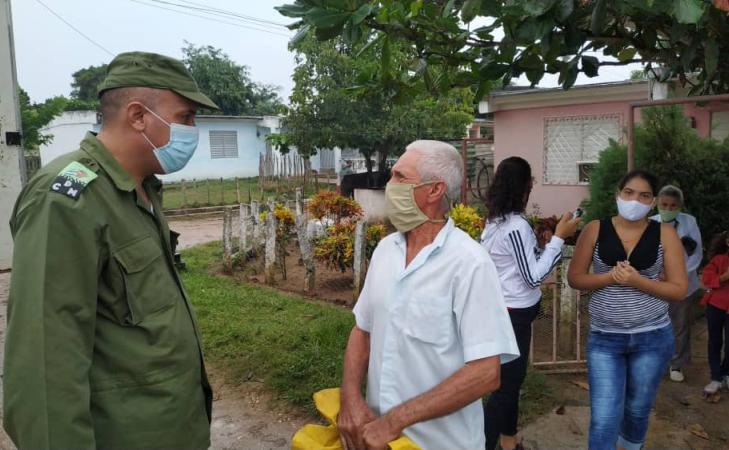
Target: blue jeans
column 624, row 372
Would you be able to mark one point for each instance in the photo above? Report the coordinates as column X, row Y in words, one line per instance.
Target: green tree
column 666, row 145
column 86, row 82
column 35, row 116
column 326, row 111
column 637, row 75
column 228, row 84
column 686, row 37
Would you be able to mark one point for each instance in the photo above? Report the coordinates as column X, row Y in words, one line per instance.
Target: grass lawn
column 295, row 346
column 199, row 193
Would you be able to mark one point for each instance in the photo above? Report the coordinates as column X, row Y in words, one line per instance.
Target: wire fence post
column 228, row 240
column 360, row 243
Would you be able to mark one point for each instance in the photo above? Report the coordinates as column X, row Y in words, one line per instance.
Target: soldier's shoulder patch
column 73, row 179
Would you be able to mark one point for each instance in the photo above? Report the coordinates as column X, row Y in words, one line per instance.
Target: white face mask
column 633, row 210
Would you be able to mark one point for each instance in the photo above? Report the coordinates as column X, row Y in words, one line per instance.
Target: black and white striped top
column 521, row 265
column 623, row 309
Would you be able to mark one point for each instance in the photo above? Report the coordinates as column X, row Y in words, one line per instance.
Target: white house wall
column 67, row 130
column 202, row 166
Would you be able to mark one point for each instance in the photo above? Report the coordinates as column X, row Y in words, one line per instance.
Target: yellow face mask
column 401, row 209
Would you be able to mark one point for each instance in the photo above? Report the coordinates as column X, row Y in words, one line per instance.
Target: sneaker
column 713, row 387
column 677, row 376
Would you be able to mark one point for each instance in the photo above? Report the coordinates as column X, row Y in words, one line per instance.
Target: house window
column 720, row 125
column 572, row 146
column 223, row 144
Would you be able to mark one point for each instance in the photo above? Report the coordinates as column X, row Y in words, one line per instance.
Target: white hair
column 672, row 191
column 439, row 161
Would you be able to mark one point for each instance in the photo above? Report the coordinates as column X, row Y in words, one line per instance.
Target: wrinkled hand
column 567, row 226
column 354, row 414
column 625, row 274
column 378, row 433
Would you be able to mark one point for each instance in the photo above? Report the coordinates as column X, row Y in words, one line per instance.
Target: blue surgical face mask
column 178, row 151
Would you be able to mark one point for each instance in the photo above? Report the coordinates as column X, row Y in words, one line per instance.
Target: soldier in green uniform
column 102, row 349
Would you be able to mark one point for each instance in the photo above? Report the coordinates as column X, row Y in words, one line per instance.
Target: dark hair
column 510, row 189
column 112, row 100
column 642, row 174
column 718, row 245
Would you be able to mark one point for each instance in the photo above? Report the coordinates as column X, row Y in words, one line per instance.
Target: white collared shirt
column 521, row 265
column 425, row 322
column 686, row 225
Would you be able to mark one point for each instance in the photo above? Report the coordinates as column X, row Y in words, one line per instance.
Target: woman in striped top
column 522, row 267
column 638, row 266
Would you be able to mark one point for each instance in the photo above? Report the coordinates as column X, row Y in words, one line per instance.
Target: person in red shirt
column 716, row 300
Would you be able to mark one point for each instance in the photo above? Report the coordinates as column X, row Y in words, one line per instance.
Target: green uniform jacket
column 102, row 349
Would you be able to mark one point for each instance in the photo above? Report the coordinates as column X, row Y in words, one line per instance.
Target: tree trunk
column 382, row 160
column 307, row 169
column 381, row 166
column 368, row 164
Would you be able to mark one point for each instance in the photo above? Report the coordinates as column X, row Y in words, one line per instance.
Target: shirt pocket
column 430, row 319
column 148, row 285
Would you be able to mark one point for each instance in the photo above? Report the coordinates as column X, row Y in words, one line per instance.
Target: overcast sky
column 48, row 51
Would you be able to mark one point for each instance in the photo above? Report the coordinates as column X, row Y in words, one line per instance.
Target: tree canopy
column 228, row 83
column 479, row 42
column 86, row 82
column 326, row 112
column 666, row 145
column 35, row 116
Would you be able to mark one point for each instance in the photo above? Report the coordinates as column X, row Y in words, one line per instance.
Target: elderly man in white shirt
column 670, row 202
column 431, row 327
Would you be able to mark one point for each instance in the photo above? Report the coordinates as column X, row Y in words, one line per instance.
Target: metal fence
column 559, row 334
column 32, row 164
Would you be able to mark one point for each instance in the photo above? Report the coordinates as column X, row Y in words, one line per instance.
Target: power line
column 249, row 27
column 74, row 28
column 234, row 14
column 222, row 13
column 239, row 25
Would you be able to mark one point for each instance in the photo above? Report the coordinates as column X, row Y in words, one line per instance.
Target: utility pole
column 12, row 160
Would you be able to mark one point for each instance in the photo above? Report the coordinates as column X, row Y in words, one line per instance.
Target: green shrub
column 667, row 146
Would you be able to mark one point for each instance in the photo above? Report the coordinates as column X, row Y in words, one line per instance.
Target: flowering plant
column 467, row 219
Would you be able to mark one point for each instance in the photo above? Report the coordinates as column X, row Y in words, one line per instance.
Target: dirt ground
column 330, row 285
column 197, row 230
column 247, row 417
column 681, row 418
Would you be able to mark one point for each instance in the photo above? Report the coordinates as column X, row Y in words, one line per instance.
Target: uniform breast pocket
column 148, row 285
column 430, row 319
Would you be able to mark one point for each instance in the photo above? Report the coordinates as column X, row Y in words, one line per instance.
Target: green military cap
column 141, row 69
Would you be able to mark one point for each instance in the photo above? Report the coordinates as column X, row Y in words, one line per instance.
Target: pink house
column 561, row 133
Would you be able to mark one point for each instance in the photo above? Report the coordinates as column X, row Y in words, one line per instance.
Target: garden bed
column 331, row 285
